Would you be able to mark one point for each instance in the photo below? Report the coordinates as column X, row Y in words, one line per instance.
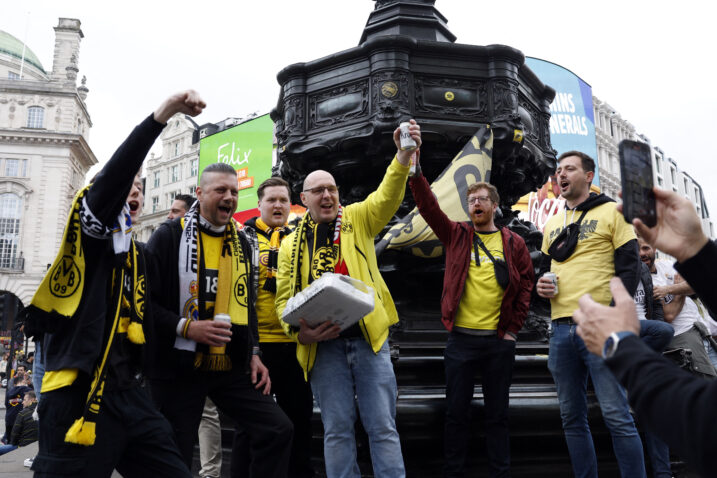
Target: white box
column 335, row 297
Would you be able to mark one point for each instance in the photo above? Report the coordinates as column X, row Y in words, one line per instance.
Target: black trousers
column 494, row 359
column 181, row 401
column 293, row 394
column 132, row 437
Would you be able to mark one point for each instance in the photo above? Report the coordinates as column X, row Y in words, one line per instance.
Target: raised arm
column 109, row 191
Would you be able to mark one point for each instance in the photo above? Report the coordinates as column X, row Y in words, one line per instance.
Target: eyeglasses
column 319, row 190
column 482, row 199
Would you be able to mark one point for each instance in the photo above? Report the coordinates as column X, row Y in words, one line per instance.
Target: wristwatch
column 612, row 341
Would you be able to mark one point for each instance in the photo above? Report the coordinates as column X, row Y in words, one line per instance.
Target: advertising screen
column 572, row 127
column 248, row 148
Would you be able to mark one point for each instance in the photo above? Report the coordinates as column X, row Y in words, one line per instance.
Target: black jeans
column 182, row 399
column 293, row 394
column 132, row 437
column 493, row 358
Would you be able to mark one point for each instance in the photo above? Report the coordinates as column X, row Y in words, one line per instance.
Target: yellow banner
column 472, row 164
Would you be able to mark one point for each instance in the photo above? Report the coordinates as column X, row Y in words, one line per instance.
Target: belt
column 564, row 321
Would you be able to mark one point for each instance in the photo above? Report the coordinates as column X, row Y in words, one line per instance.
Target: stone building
column 44, row 157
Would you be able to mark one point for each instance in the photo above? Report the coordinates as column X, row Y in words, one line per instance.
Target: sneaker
column 28, row 462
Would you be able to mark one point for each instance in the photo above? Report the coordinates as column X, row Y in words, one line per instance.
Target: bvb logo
column 240, row 291
column 450, row 96
column 322, row 261
column 389, row 89
column 65, row 278
column 347, row 228
column 139, row 294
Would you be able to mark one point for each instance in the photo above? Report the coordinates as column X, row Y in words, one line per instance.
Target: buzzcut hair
column 492, row 190
column 222, row 168
column 31, row 394
column 187, row 199
column 586, row 161
column 273, row 181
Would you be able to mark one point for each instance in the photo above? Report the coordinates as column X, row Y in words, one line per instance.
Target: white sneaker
column 28, row 462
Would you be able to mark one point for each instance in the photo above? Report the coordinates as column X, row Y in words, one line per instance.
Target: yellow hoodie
column 361, row 222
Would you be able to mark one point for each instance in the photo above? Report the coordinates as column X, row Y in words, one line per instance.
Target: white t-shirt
column 640, row 301
column 690, row 313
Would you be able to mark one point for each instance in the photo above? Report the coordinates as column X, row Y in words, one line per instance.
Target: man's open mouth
column 225, row 209
column 133, row 206
column 564, row 184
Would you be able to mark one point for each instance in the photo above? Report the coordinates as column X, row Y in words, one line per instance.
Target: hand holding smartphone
column 637, row 183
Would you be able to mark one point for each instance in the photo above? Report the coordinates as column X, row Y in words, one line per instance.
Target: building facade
column 610, row 129
column 44, row 156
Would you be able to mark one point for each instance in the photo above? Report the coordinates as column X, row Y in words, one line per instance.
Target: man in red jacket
column 486, row 293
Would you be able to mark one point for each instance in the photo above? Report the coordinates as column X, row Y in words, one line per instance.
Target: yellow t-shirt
column 211, row 252
column 482, row 295
column 592, row 265
column 270, row 329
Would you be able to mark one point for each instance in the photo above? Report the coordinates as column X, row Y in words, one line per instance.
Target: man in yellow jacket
column 333, row 238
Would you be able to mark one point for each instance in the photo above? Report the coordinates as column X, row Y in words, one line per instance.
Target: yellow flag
column 472, row 164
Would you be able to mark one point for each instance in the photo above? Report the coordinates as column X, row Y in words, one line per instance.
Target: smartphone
column 638, row 199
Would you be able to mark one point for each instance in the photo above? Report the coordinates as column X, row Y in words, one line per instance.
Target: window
column 193, row 191
column 174, row 175
column 177, row 148
column 12, row 75
column 194, row 167
column 156, row 179
column 35, row 116
column 672, row 177
column 687, row 186
column 658, row 164
column 10, row 211
column 15, row 167
column 155, row 202
column 660, row 182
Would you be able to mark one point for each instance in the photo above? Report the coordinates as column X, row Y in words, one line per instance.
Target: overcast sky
column 652, row 61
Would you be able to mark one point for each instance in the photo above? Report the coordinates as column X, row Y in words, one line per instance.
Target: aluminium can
column 554, row 279
column 407, row 143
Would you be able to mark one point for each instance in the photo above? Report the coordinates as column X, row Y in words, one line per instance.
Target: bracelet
column 255, row 350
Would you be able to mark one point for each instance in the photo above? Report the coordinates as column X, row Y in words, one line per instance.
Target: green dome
column 13, row 47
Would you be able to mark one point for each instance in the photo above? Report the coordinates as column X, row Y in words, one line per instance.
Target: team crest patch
column 347, row 228
column 240, row 291
column 264, row 258
column 322, row 261
column 65, row 278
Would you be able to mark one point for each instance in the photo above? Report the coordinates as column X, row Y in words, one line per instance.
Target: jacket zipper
column 362, row 321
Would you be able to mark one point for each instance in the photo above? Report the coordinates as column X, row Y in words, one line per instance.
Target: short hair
column 586, row 161
column 492, row 190
column 187, row 199
column 31, row 394
column 222, row 168
column 273, row 181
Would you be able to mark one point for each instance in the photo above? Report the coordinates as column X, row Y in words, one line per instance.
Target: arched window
column 35, row 116
column 10, row 213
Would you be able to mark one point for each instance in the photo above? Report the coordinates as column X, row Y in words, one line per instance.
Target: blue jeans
column 7, row 448
column 38, row 368
column 659, row 454
column 570, row 363
column 347, row 372
column 656, row 334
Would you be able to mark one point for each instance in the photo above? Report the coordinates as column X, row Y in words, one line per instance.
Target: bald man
column 356, row 361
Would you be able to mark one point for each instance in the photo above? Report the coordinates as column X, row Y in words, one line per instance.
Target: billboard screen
column 248, row 148
column 572, row 127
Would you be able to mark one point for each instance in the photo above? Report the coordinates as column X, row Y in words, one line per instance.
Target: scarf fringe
column 212, row 362
column 135, row 333
column 82, row 432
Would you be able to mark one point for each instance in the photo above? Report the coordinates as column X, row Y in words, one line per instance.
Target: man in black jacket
column 205, row 340
column 24, row 431
column 671, row 403
column 91, row 310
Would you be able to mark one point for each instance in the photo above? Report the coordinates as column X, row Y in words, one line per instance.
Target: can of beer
column 407, row 143
column 554, row 279
column 223, row 318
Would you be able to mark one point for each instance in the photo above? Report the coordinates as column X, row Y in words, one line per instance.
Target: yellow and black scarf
column 61, row 291
column 324, row 250
column 232, row 288
column 275, row 235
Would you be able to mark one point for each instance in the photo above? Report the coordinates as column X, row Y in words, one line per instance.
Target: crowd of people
column 143, row 344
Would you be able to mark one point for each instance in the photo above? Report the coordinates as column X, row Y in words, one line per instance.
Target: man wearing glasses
column 486, row 293
column 356, row 361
